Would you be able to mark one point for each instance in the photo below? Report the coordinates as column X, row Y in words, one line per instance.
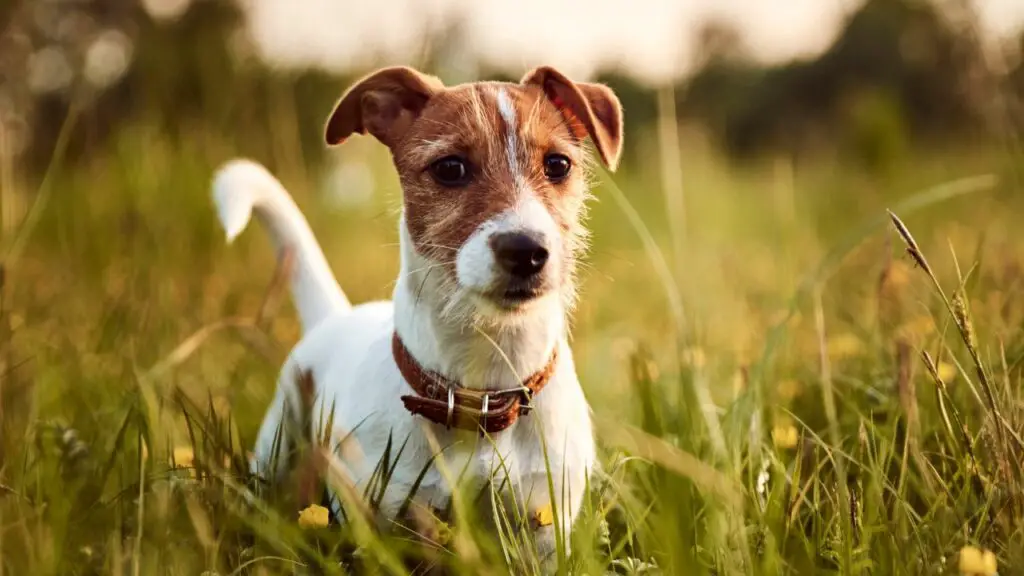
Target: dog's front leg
column 552, row 512
column 542, row 506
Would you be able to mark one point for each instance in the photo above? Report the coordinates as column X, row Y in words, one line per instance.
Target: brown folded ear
column 384, row 104
column 589, row 109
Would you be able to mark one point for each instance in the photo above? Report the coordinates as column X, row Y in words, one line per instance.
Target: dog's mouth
column 517, row 294
column 520, row 294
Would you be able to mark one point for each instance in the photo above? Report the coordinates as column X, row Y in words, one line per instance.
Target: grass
column 802, row 383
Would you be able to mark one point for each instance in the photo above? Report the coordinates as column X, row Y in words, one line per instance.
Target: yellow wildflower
column 785, row 437
column 947, row 372
column 543, row 516
column 184, row 457
column 313, row 517
column 975, row 561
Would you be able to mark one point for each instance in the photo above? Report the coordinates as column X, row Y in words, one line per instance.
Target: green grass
column 789, row 392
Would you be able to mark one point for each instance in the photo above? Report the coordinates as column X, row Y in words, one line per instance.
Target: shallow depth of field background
column 750, row 328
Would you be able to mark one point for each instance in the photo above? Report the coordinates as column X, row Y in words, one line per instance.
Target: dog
column 469, row 363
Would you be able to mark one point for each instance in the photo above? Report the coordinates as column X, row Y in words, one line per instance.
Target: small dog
column 471, row 354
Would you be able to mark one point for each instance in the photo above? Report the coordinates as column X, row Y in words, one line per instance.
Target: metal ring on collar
column 484, row 406
column 451, row 406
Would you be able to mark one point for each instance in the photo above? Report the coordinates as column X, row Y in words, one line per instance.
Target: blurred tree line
column 900, row 73
column 184, row 76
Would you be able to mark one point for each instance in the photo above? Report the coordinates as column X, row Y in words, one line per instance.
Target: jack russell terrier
column 471, row 354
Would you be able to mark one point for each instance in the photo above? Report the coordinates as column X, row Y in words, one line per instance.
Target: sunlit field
column 779, row 386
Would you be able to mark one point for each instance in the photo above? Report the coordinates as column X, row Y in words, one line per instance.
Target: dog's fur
column 449, row 304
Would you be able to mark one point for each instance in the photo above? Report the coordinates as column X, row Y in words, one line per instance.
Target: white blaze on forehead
column 475, row 265
column 508, row 114
column 530, row 214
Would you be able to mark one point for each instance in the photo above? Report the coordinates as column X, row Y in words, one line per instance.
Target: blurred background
column 757, row 78
column 759, row 136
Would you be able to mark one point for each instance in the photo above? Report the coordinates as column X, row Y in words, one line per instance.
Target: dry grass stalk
column 958, row 309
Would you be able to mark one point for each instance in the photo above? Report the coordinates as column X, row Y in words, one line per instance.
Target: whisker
column 423, row 283
column 430, row 267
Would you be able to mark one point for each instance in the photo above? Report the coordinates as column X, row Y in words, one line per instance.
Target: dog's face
column 493, row 175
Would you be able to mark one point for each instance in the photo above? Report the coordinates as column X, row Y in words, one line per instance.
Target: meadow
column 779, row 385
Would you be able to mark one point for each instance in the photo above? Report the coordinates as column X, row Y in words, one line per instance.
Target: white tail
column 242, row 187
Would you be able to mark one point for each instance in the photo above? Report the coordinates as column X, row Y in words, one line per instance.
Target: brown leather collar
column 444, row 401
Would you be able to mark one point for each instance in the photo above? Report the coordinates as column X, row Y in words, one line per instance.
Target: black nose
column 518, row 253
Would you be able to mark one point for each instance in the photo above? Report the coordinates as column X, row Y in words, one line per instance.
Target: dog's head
column 493, row 175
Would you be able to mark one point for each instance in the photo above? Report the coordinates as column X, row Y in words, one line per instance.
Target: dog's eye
column 556, row 167
column 450, row 171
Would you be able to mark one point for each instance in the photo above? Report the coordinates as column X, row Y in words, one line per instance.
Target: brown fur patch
column 466, row 121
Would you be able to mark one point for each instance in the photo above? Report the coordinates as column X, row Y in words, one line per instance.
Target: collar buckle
column 525, row 400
